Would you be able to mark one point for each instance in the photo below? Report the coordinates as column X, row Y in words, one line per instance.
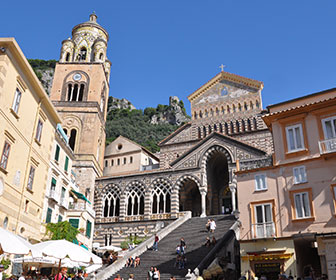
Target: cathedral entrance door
column 219, row 195
column 190, row 198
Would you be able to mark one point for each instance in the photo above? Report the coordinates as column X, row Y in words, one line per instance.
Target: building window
column 31, row 178
column 39, row 130
column 16, row 102
column 112, row 162
column 125, row 160
column 74, row 222
column 57, row 152
column 53, row 187
column 5, row 155
column 302, row 205
column 88, row 229
column 60, row 218
column 66, row 164
column 72, row 140
column 49, row 215
column 294, row 138
column 264, row 225
column 260, row 182
column 111, row 202
column 329, row 127
column 131, row 159
column 135, row 199
column 26, row 206
column 67, row 57
column 299, row 174
column 106, row 163
column 161, row 197
column 118, row 161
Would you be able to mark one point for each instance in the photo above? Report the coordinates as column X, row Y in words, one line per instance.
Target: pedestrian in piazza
column 156, row 242
column 62, row 275
column 150, row 273
column 212, row 226
column 183, row 245
column 79, row 275
column 156, row 274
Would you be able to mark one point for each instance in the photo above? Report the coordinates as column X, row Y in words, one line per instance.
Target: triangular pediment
column 223, row 87
column 233, row 148
column 181, row 134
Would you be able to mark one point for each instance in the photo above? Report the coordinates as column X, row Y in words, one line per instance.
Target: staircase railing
column 120, row 263
column 233, row 231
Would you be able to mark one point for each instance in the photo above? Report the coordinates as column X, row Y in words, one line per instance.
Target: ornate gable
column 232, row 148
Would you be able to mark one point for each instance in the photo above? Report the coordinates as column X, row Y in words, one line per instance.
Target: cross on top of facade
column 222, row 66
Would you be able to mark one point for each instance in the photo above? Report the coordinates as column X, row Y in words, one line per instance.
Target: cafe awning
column 80, row 196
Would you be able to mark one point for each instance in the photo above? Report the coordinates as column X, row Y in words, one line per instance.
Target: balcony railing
column 64, row 203
column 263, row 230
column 82, row 206
column 327, row 146
column 54, row 195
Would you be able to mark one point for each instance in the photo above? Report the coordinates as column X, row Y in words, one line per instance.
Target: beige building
column 288, row 210
column 28, row 121
column 124, row 155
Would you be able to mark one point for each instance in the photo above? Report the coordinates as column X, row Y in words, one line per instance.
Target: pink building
column 288, row 211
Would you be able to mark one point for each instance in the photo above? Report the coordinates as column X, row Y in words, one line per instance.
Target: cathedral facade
column 197, row 164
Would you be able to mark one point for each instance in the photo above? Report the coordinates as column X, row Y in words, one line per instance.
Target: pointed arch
column 204, row 131
column 135, row 198
column 231, row 127
column 161, row 196
column 199, row 133
column 237, row 126
column 243, row 127
column 245, row 106
column 215, row 127
column 249, row 127
column 220, row 128
column 226, row 128
column 111, row 200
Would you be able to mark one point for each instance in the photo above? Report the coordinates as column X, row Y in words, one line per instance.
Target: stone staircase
column 194, row 233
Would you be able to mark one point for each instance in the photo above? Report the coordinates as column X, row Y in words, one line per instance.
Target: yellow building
column 27, row 131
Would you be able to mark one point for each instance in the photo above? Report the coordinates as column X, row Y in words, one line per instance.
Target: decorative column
column 174, row 203
column 203, row 202
column 233, row 188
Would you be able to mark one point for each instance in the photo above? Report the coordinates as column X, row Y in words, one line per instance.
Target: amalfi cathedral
column 258, row 181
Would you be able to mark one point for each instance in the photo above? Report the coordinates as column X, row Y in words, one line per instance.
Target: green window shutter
column 57, row 152
column 53, row 182
column 88, row 229
column 74, row 222
column 49, row 214
column 60, row 218
column 66, row 165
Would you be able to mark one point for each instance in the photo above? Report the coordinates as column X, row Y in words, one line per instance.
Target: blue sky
column 162, row 48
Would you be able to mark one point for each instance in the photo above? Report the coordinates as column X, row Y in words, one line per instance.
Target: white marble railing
column 327, row 146
column 263, row 230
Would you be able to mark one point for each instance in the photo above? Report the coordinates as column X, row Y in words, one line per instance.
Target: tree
column 62, row 230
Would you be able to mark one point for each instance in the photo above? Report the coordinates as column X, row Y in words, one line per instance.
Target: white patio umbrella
column 61, row 249
column 110, row 248
column 48, row 261
column 10, row 243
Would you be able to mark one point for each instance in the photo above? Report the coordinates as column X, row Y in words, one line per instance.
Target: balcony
column 263, row 230
column 327, row 146
column 64, row 203
column 54, row 195
column 82, row 206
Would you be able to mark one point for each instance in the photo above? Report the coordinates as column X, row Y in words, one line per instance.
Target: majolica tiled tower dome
column 80, row 92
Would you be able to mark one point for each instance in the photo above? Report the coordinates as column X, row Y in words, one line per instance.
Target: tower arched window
column 74, row 93
column 226, row 128
column 231, row 127
column 255, row 124
column 67, row 57
column 228, row 109
column 135, row 199
column 220, row 128
column 210, row 129
column 215, row 127
column 82, row 54
column 81, row 92
column 257, row 104
column 251, row 105
column 161, row 196
column 199, row 132
column 239, row 107
column 245, row 106
column 101, row 56
column 69, row 91
column 243, row 127
column 249, row 128
column 195, row 116
column 111, row 202
column 237, row 126
column 72, row 140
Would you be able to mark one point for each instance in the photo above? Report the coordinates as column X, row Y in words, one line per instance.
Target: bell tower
column 80, row 92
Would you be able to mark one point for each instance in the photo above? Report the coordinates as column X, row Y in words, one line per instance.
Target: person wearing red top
column 62, row 275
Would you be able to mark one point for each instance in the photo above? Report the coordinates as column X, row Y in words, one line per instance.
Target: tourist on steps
column 183, row 246
column 150, row 273
column 212, row 226
column 207, row 225
column 156, row 242
column 118, row 277
column 156, row 274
